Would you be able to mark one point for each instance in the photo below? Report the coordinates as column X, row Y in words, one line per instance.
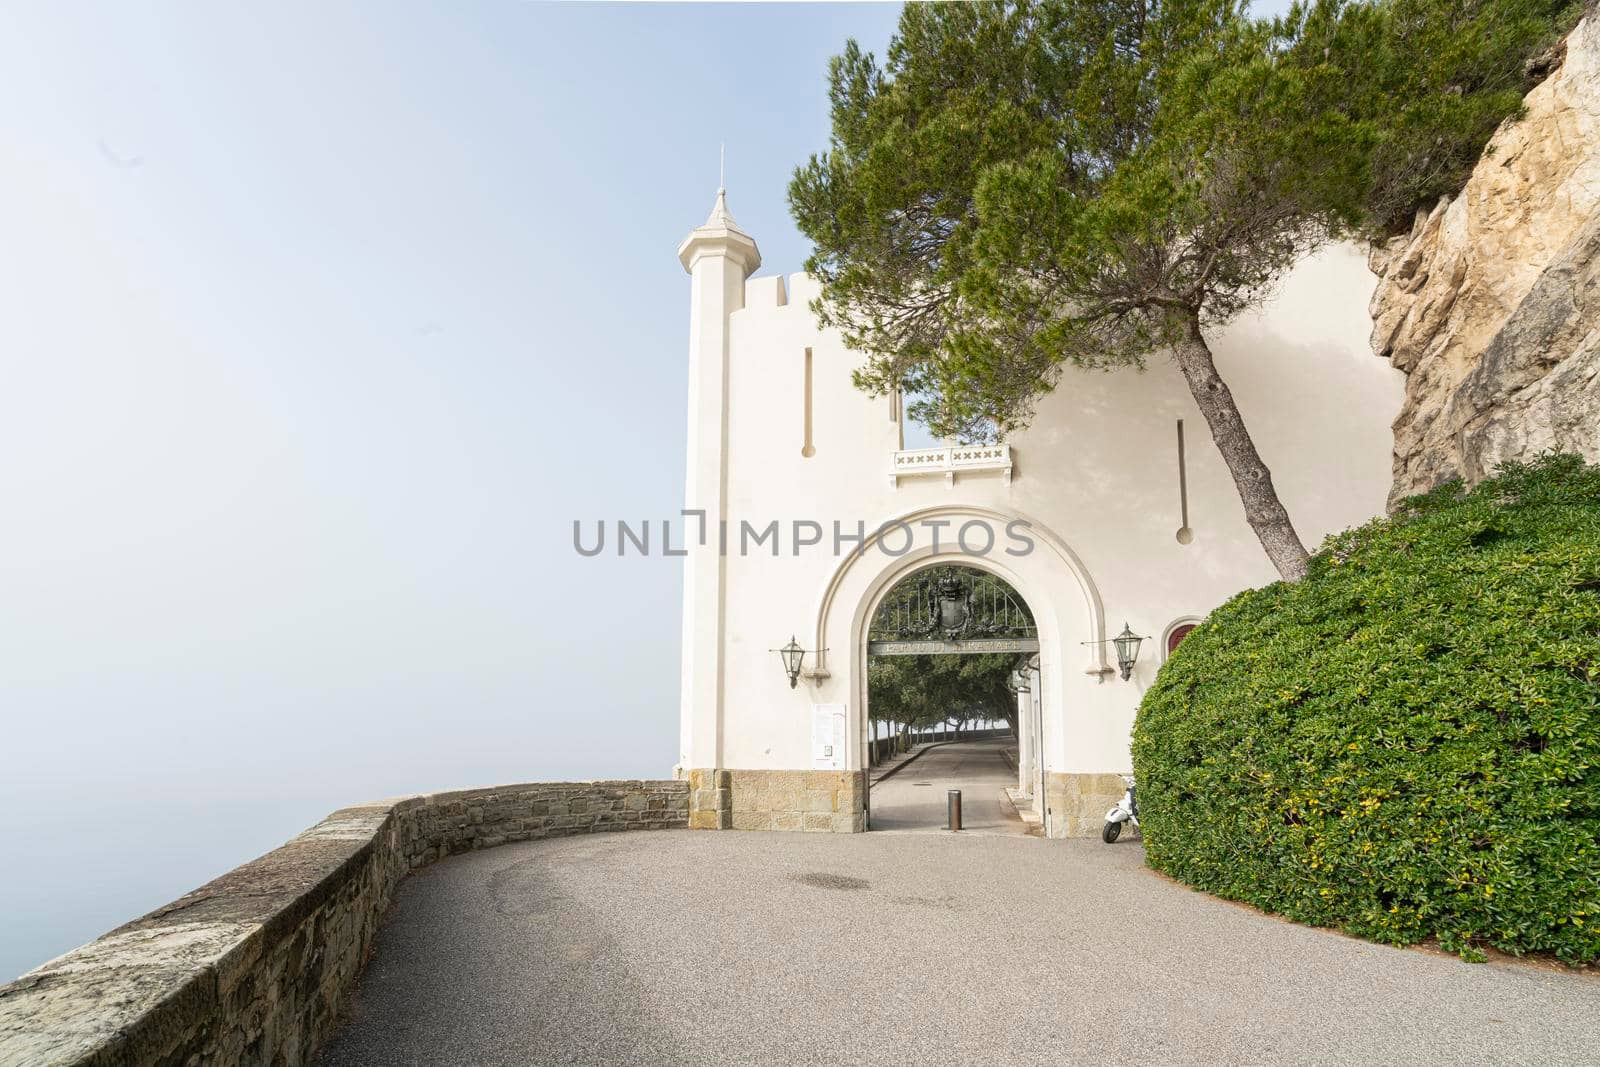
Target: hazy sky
column 319, row 324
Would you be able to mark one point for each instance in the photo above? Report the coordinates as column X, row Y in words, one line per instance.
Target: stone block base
column 815, row 801
column 835, row 801
column 1076, row 804
column 709, row 805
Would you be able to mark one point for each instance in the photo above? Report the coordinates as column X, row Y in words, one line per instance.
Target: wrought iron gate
column 951, row 609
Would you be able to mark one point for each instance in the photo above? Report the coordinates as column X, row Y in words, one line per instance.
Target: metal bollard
column 952, row 807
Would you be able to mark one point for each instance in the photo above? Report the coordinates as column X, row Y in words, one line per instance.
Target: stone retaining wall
column 252, row 968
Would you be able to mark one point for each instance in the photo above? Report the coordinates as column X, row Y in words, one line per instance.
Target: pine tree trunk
column 1262, row 508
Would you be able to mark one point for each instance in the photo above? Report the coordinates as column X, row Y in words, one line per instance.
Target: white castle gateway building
column 1083, row 511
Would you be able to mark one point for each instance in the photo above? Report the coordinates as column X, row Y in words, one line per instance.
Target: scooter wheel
column 1109, row 834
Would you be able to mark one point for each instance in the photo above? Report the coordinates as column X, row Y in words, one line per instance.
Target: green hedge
column 1406, row 744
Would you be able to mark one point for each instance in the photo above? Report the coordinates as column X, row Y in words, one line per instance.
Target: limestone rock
column 1489, row 303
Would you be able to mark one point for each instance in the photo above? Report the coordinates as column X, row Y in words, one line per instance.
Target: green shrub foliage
column 1406, row 744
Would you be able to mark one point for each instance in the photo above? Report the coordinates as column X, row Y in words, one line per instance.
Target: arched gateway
column 1067, row 614
column 804, row 509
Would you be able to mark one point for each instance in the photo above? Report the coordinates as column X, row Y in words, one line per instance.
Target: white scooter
column 1127, row 810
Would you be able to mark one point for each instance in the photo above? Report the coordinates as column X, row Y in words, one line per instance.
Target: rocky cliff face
column 1491, row 305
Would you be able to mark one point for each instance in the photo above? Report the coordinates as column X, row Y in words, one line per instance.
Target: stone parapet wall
column 252, row 968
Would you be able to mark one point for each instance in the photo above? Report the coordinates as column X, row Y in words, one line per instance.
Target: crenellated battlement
column 768, row 292
column 781, row 290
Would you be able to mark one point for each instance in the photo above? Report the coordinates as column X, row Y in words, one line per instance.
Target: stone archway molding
column 1045, row 538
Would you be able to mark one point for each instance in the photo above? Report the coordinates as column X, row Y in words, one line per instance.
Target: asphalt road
column 914, row 798
column 767, row 948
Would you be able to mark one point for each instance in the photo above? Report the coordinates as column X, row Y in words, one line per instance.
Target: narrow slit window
column 807, row 449
column 1185, row 534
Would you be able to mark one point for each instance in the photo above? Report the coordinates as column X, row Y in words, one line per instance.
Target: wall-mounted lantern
column 1127, row 643
column 793, row 656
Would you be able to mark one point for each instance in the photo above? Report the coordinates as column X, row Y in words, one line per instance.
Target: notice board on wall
column 827, row 737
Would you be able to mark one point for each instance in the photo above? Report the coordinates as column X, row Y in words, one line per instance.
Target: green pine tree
column 1026, row 186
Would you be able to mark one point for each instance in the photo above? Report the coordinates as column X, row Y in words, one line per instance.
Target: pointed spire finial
column 720, row 215
column 720, row 229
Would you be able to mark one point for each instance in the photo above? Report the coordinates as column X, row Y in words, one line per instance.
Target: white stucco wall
column 1096, row 475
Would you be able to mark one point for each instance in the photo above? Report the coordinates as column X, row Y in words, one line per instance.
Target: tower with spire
column 719, row 257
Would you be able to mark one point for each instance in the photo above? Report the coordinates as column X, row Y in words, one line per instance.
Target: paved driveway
column 687, row 947
column 914, row 798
